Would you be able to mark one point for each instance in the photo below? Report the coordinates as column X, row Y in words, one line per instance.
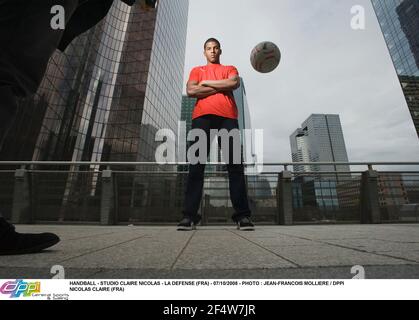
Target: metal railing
column 148, row 192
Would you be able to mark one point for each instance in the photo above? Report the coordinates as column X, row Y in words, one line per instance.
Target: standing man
column 27, row 43
column 215, row 108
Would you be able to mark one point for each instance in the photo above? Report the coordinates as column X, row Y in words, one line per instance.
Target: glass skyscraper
column 399, row 21
column 108, row 94
column 188, row 104
column 245, row 123
column 104, row 99
column 320, row 139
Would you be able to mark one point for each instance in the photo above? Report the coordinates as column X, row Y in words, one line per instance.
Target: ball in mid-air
column 265, row 57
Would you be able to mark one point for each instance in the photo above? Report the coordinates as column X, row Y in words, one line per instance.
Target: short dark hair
column 212, row 40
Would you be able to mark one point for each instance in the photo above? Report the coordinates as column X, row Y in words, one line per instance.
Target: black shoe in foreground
column 245, row 224
column 12, row 242
column 187, row 224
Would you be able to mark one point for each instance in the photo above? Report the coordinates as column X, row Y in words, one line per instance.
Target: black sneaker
column 245, row 224
column 187, row 224
column 12, row 242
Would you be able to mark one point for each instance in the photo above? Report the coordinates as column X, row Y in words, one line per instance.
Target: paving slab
column 270, row 252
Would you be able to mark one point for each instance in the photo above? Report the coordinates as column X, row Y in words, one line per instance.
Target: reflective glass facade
column 104, row 99
column 188, row 105
column 108, row 94
column 399, row 21
column 245, row 123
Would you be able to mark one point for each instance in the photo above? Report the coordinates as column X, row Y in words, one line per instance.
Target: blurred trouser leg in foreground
column 27, row 43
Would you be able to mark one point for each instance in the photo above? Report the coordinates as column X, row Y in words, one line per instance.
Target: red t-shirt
column 222, row 103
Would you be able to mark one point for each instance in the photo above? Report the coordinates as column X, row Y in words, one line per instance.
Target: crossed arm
column 209, row 87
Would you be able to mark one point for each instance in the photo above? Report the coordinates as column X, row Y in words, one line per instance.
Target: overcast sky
column 326, row 67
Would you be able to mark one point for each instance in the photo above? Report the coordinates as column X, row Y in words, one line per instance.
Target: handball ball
column 265, row 57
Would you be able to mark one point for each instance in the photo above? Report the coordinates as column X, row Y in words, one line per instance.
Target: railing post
column 205, row 209
column 172, row 193
column 21, row 210
column 284, row 198
column 369, row 204
column 107, row 204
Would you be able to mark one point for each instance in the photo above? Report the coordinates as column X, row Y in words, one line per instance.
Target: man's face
column 212, row 52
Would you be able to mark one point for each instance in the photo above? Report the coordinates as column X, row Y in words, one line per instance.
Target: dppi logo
column 19, row 287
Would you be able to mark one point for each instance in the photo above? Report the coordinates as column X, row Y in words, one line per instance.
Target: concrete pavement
column 270, row 252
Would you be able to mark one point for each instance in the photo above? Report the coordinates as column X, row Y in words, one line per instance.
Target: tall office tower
column 399, row 21
column 320, row 139
column 106, row 96
column 248, row 142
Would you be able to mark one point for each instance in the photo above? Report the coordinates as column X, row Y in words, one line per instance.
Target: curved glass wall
column 399, row 21
column 104, row 99
column 112, row 89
